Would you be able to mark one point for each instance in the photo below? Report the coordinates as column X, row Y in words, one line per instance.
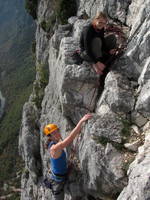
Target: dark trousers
column 96, row 47
column 57, row 188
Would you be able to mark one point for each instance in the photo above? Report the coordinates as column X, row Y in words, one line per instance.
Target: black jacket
column 87, row 35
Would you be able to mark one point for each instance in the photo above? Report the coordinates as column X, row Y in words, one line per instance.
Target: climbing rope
column 121, row 37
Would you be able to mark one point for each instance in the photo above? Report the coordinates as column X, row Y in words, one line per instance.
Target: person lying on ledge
column 94, row 46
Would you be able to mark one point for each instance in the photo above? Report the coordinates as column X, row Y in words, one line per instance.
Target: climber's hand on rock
column 86, row 117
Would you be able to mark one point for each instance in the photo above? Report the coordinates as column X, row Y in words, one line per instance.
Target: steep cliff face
column 114, row 137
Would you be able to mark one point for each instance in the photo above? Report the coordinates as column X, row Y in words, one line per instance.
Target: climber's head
column 52, row 131
column 100, row 21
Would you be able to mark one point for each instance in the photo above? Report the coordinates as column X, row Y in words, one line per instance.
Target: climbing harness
column 55, row 187
column 58, row 176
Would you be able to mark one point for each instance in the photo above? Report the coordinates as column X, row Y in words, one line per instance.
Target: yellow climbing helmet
column 48, row 129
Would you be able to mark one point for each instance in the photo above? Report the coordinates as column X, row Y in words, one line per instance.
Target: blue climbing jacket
column 58, row 166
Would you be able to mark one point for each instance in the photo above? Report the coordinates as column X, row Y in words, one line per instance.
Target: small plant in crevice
column 38, row 94
column 126, row 131
column 128, row 159
column 104, row 140
column 64, row 9
column 34, row 47
column 40, row 84
column 43, row 74
column 101, row 140
column 47, row 25
column 126, row 128
column 25, row 171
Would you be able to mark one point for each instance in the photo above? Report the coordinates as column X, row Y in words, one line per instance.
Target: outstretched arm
column 61, row 145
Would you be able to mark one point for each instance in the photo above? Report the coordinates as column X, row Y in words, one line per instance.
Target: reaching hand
column 86, row 117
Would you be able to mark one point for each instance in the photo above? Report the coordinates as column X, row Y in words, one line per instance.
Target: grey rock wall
column 29, row 143
column 138, row 184
column 115, row 9
column 109, row 142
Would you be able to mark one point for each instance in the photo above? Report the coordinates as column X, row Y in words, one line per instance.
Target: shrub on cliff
column 40, row 84
column 62, row 10
column 49, row 23
column 65, row 9
column 31, row 7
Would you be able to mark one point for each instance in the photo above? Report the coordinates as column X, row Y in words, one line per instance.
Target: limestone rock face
column 102, row 164
column 116, row 9
column 118, row 93
column 102, row 155
column 138, row 185
column 143, row 102
column 136, row 57
column 29, row 141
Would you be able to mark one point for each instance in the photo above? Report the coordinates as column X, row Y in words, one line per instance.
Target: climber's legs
column 97, row 52
column 111, row 42
column 58, row 190
column 96, row 47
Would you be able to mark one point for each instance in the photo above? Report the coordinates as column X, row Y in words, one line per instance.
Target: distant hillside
column 17, row 31
column 16, row 34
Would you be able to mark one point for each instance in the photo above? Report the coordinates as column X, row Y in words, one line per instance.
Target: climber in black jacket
column 95, row 48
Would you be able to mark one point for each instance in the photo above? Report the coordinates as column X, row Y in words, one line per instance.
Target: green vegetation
column 9, row 130
column 62, row 10
column 43, row 73
column 15, row 196
column 47, row 25
column 16, row 82
column 16, row 87
column 14, row 181
column 34, row 47
column 40, row 84
column 31, row 7
column 101, row 139
column 125, row 133
column 65, row 9
column 126, row 128
column 38, row 93
column 11, row 122
column 104, row 140
column 130, row 158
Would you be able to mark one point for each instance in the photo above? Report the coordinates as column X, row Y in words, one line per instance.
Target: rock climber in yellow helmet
column 58, row 161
